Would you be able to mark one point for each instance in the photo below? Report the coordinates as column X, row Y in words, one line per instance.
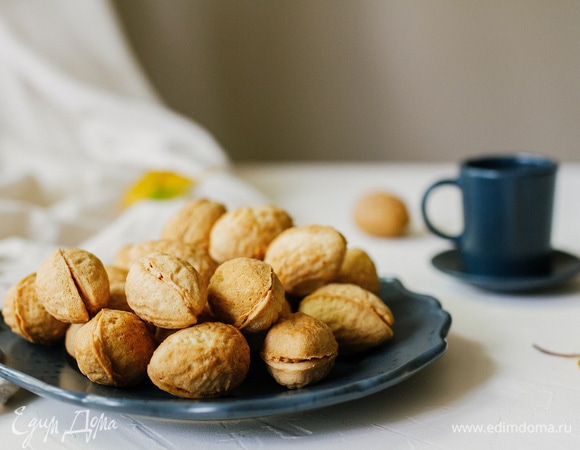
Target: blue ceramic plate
column 564, row 267
column 420, row 338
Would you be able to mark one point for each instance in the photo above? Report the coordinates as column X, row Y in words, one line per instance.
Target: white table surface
column 490, row 377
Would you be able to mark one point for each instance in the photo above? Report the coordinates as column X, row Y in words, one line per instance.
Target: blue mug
column 507, row 214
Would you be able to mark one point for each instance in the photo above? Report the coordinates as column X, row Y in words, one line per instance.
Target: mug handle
column 430, row 226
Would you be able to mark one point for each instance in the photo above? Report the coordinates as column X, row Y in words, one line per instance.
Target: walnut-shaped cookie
column 207, row 360
column 27, row 317
column 72, row 284
column 114, row 348
column 246, row 293
column 247, row 232
column 358, row 268
column 358, row 318
column 299, row 350
column 193, row 222
column 306, row 257
column 198, row 257
column 382, row 214
column 165, row 291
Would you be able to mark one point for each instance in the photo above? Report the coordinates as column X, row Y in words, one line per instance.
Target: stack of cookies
column 217, row 291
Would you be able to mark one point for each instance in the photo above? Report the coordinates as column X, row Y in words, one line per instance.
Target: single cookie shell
column 358, row 318
column 247, row 232
column 381, row 214
column 72, row 284
column 306, row 257
column 165, row 291
column 27, row 317
column 246, row 293
column 299, row 350
column 358, row 268
column 114, row 348
column 207, row 360
column 198, row 257
column 193, row 222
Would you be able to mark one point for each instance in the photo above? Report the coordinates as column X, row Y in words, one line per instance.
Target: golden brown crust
column 198, row 257
column 114, row 348
column 246, row 293
column 247, row 232
column 203, row 361
column 306, row 257
column 286, row 309
column 358, row 268
column 299, row 350
column 193, row 222
column 358, row 318
column 166, row 291
column 116, row 274
column 70, row 338
column 27, row 317
column 381, row 214
column 72, row 284
column 117, row 297
column 298, row 337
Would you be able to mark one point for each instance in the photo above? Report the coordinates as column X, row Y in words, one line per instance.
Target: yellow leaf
column 158, row 185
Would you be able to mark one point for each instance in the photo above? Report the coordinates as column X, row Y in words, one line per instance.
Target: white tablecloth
column 491, row 389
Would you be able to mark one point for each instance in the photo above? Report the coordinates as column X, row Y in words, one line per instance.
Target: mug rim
column 510, row 164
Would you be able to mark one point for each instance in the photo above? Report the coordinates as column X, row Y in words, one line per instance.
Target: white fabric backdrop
column 79, row 122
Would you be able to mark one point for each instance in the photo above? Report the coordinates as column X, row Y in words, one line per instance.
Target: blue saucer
column 564, row 267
